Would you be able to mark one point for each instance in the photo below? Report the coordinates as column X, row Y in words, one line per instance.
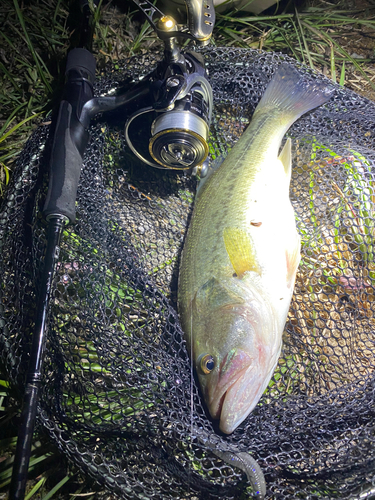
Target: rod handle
column 71, row 136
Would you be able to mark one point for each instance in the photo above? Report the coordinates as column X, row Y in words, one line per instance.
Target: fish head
column 236, row 345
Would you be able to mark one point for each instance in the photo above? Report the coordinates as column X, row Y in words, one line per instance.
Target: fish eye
column 206, row 363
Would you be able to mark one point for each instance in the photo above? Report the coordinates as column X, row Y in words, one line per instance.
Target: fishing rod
column 69, row 143
column 179, row 102
column 177, row 99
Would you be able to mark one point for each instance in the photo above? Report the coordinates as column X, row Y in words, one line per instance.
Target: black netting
column 119, row 398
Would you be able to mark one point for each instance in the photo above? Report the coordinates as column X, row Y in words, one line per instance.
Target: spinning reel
column 177, row 94
column 181, row 95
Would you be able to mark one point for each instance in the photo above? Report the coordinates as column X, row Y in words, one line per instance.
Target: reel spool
column 179, row 137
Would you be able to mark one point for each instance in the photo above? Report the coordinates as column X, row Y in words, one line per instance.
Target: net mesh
column 119, row 397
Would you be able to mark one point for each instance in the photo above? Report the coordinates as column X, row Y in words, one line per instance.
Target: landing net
column 118, row 397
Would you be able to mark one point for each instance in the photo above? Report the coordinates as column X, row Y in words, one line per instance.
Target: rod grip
column 81, row 59
column 65, row 167
column 71, row 136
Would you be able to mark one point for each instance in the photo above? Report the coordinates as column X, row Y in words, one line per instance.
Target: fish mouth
column 238, row 401
column 227, row 397
column 242, row 395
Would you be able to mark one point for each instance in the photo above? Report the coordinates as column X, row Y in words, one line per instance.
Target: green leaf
column 36, row 57
column 38, row 485
column 18, row 125
column 342, row 75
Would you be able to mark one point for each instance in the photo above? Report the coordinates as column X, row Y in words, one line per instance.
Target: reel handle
column 71, row 136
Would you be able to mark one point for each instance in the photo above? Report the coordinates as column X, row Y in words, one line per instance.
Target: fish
column 241, row 254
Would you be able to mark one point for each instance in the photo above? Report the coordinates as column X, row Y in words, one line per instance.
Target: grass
column 49, row 473
column 34, row 41
column 318, row 36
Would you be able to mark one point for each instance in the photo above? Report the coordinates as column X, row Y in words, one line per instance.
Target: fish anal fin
column 293, row 257
column 239, row 247
column 286, row 158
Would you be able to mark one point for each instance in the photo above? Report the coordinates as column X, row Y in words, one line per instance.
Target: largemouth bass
column 241, row 255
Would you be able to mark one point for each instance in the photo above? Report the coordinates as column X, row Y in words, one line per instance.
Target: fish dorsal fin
column 214, row 165
column 293, row 256
column 286, row 158
column 239, row 247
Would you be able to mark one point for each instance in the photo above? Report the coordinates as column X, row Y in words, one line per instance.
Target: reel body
column 180, row 114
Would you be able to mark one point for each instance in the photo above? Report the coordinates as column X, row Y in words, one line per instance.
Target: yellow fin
column 286, row 158
column 240, row 251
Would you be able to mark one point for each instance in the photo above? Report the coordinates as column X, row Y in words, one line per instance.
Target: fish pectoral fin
column 213, row 294
column 293, row 256
column 286, row 158
column 240, row 250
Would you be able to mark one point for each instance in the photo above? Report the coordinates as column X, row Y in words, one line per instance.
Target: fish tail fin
column 292, row 94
